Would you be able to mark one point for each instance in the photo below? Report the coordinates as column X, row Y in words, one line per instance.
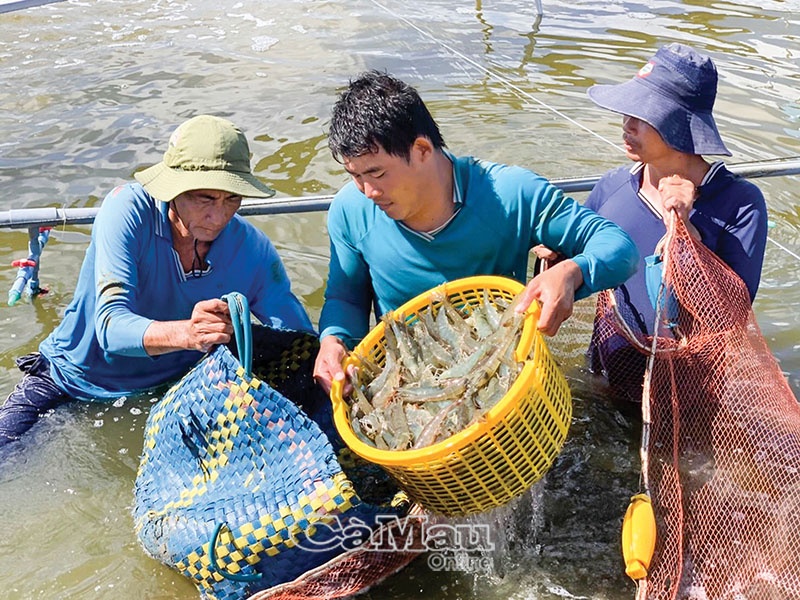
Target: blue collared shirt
column 131, row 276
column 729, row 212
column 505, row 211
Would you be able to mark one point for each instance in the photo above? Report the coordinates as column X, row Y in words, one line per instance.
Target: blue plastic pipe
column 28, row 272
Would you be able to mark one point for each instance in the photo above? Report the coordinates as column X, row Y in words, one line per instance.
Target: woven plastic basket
column 492, row 461
column 238, row 488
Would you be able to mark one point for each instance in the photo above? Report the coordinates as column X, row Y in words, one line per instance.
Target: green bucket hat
column 205, row 153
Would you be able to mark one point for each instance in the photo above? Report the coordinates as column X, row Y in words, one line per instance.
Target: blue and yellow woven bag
column 238, row 487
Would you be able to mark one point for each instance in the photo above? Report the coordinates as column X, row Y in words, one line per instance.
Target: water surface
column 89, row 92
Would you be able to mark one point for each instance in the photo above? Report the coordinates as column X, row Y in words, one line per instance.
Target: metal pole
column 28, row 268
column 10, row 5
column 39, row 217
column 39, row 220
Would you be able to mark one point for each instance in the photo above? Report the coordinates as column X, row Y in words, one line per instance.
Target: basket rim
column 467, row 435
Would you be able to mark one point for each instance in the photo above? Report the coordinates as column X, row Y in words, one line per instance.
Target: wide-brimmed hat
column 674, row 92
column 204, row 153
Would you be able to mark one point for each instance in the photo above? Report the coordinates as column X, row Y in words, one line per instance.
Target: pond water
column 89, row 92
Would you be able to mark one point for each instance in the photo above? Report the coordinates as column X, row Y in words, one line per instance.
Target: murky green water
column 89, row 92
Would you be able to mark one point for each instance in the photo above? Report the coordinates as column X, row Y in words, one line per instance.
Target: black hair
column 378, row 111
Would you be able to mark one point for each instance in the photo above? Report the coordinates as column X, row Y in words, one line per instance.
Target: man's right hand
column 328, row 366
column 210, row 324
column 554, row 289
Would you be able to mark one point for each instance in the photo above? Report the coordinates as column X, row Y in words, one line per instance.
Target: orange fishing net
column 721, row 436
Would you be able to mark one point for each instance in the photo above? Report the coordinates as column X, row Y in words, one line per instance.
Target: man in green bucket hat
column 163, row 252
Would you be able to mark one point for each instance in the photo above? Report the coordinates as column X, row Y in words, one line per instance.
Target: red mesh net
column 360, row 568
column 723, row 456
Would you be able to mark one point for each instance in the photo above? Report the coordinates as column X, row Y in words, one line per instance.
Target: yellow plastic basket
column 492, row 461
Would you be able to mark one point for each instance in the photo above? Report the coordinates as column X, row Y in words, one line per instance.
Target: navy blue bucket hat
column 674, row 93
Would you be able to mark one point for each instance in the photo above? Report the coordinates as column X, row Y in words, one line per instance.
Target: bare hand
column 548, row 257
column 328, row 366
column 209, row 325
column 678, row 194
column 554, row 289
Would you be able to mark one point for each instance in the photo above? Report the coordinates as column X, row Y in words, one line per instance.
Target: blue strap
column 242, row 329
column 243, row 332
column 212, row 557
column 657, row 289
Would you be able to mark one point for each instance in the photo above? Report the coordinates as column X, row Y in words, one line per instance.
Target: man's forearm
column 162, row 337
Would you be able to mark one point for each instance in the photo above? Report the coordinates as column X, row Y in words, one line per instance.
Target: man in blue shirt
column 667, row 126
column 163, row 252
column 415, row 216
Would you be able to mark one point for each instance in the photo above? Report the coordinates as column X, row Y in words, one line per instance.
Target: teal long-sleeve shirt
column 504, row 212
column 131, row 276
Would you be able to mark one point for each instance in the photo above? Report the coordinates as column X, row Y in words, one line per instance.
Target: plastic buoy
column 638, row 536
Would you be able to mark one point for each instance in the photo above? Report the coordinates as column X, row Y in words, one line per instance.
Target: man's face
column 391, row 182
column 205, row 213
column 641, row 141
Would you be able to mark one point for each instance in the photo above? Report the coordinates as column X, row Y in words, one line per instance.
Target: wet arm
column 743, row 246
column 348, row 295
column 118, row 328
column 210, row 324
column 600, row 255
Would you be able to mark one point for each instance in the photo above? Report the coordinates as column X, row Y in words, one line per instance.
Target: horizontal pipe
column 50, row 216
column 11, row 5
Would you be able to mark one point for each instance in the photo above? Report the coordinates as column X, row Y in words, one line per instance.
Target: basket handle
column 525, row 344
column 212, row 557
column 337, row 385
column 242, row 329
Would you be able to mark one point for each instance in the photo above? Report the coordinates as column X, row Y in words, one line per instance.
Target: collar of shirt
column 458, row 201
column 636, row 171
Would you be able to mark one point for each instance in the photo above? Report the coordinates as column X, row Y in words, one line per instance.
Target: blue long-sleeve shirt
column 729, row 212
column 503, row 212
column 132, row 276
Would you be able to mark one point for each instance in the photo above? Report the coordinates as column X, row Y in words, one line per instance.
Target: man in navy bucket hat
column 674, row 93
column 667, row 127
